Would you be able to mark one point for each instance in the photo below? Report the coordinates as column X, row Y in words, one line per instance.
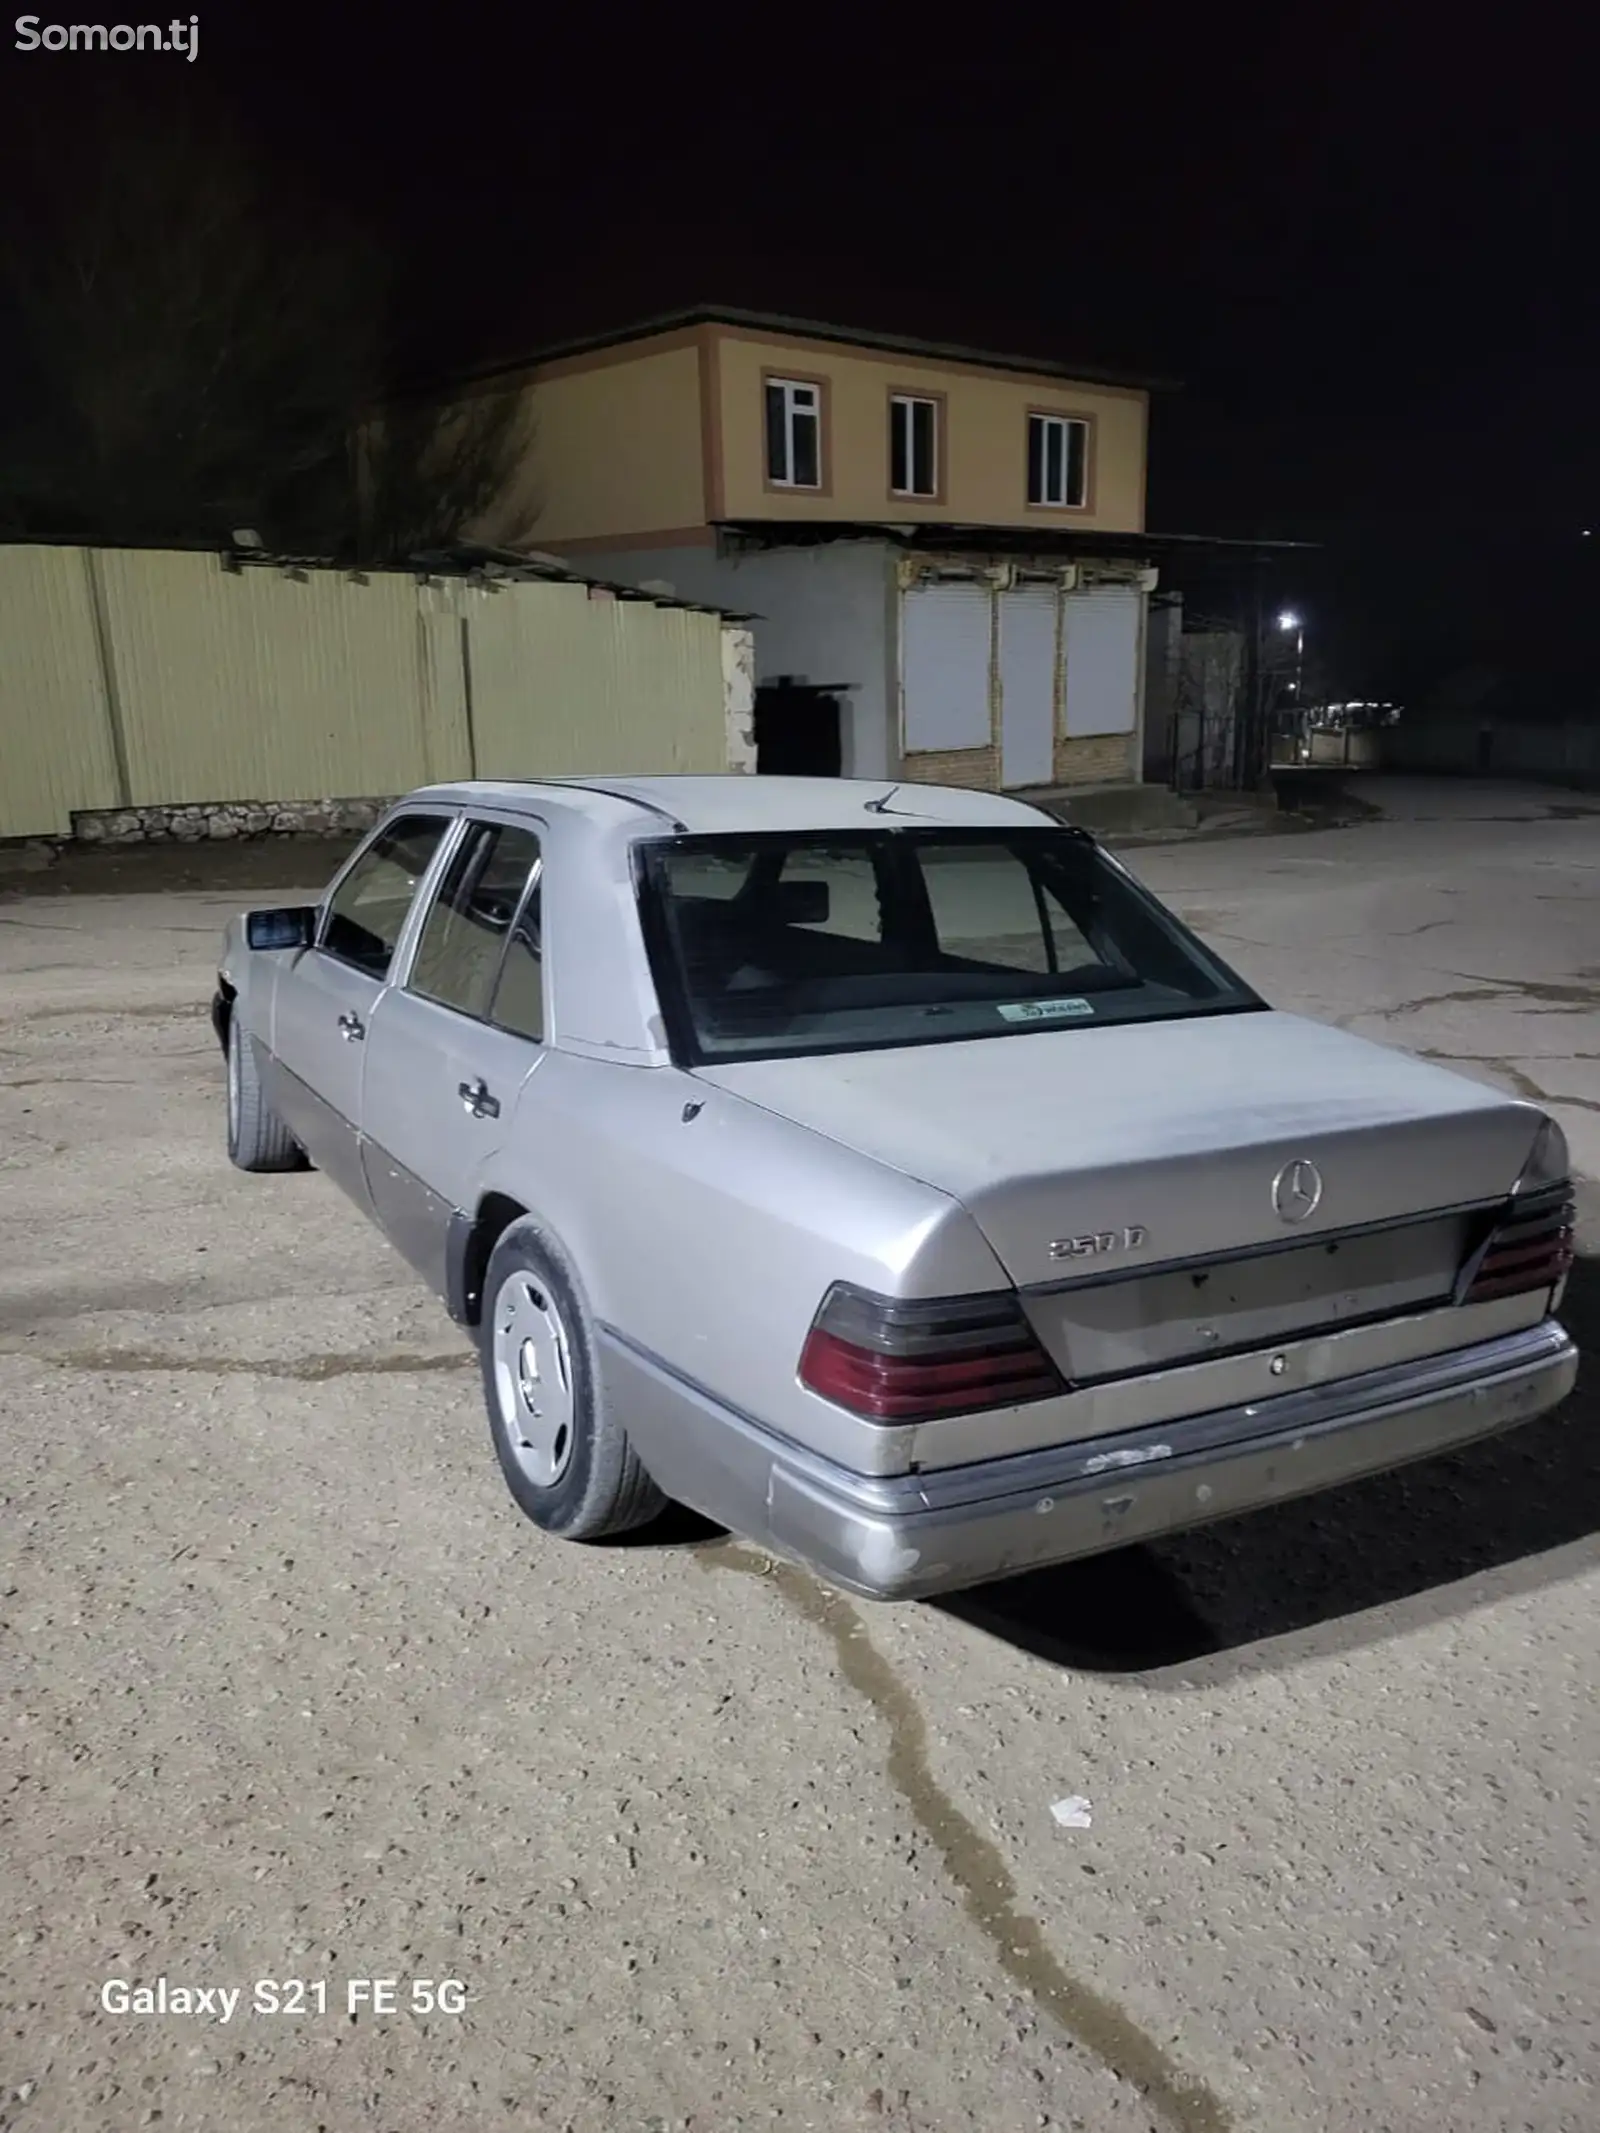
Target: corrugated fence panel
column 255, row 684
column 673, row 716
column 442, row 672
column 181, row 680
column 563, row 684
column 56, row 752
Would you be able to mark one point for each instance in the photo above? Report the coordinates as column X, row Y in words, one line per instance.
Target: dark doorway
column 797, row 731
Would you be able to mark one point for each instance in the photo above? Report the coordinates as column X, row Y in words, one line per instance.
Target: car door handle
column 475, row 1095
column 351, row 1028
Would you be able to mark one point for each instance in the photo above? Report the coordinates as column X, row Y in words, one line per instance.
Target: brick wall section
column 1096, row 759
column 977, row 767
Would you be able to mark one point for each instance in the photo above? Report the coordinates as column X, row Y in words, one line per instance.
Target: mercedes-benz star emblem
column 1297, row 1191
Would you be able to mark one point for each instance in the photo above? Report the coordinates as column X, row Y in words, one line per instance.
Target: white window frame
column 801, row 396
column 900, row 409
column 1065, row 424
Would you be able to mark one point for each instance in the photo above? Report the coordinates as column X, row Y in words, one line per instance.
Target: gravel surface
column 293, row 1693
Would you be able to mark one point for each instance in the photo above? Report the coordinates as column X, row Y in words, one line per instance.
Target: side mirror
column 292, row 928
column 803, row 903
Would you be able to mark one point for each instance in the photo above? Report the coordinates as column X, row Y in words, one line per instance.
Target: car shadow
column 251, row 868
column 677, row 1527
column 1314, row 1568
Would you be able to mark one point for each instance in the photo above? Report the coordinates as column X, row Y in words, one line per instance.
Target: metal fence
column 149, row 678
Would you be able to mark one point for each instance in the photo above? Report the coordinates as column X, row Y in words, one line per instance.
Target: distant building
column 942, row 550
column 1489, row 724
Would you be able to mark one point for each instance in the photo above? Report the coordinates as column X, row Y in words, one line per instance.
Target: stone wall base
column 205, row 821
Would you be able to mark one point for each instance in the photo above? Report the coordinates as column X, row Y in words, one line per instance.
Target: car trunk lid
column 1093, row 1153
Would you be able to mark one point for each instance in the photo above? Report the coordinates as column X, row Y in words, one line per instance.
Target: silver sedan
column 882, row 1172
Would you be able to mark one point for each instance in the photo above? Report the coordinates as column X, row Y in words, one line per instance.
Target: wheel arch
column 469, row 1248
column 222, row 1004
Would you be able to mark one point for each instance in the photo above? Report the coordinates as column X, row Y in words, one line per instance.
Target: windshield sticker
column 1046, row 1010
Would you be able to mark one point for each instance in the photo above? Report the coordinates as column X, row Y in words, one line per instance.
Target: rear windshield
column 853, row 940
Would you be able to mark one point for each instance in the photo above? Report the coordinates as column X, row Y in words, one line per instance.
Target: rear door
column 325, row 998
column 451, row 1045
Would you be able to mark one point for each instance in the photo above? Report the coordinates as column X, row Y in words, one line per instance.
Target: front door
column 452, row 1044
column 797, row 732
column 325, row 1000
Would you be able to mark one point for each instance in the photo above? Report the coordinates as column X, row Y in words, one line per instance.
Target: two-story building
column 941, row 550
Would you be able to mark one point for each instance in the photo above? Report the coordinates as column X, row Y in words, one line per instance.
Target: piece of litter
column 1072, row 1813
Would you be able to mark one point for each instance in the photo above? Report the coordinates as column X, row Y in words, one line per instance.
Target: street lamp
column 1289, row 620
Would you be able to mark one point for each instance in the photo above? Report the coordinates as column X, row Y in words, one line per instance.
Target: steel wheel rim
column 533, row 1379
column 234, row 1042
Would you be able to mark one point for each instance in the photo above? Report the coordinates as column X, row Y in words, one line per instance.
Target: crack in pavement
column 974, row 1864
column 1559, row 991
column 1242, row 940
column 306, row 1369
column 111, row 1010
column 82, row 1081
column 1560, row 999
column 1524, row 1083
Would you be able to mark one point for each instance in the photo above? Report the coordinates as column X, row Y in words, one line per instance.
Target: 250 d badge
column 1100, row 1243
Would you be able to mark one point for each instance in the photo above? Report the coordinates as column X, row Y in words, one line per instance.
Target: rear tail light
column 1530, row 1247
column 895, row 1361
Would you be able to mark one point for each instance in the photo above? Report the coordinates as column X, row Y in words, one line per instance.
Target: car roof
column 733, row 802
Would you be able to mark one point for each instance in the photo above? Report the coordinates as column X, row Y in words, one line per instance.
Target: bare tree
column 430, row 474
column 1212, row 687
column 197, row 343
column 201, row 336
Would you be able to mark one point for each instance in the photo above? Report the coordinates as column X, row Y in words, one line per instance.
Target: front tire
column 258, row 1139
column 566, row 1458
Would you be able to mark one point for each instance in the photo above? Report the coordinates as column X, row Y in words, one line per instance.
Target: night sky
column 1362, row 244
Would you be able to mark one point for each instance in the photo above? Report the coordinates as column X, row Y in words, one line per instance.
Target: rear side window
column 367, row 911
column 466, row 933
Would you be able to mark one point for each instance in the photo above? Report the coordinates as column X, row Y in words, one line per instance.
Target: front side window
column 913, row 445
column 367, row 910
column 794, row 434
column 467, row 932
column 1058, row 461
column 853, row 940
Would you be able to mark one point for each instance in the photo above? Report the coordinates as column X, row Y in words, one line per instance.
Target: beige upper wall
column 615, row 448
column 984, row 479
column 667, row 435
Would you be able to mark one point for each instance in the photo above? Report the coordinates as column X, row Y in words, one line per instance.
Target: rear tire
column 258, row 1139
column 565, row 1456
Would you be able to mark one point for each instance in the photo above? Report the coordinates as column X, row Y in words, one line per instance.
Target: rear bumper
column 938, row 1531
